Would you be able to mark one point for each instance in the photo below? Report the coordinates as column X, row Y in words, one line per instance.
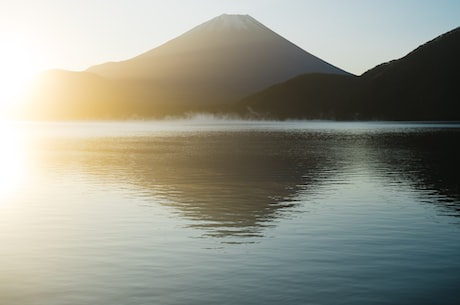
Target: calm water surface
column 227, row 212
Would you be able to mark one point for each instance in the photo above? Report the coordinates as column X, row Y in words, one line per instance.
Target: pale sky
column 354, row 35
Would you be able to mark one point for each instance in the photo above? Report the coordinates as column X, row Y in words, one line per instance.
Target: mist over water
column 209, row 209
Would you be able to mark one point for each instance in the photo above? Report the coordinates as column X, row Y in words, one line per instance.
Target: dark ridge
column 423, row 85
column 307, row 96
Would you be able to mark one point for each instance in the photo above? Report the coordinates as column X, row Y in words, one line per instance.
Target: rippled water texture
column 229, row 212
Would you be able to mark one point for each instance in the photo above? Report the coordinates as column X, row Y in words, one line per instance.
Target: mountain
column 221, row 60
column 423, row 85
column 208, row 67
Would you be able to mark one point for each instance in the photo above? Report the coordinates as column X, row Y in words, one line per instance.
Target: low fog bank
column 203, row 117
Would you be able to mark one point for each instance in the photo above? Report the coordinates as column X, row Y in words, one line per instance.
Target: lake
column 210, row 211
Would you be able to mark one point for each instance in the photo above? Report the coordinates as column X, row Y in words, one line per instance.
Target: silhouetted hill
column 67, row 95
column 310, row 96
column 59, row 94
column 423, row 85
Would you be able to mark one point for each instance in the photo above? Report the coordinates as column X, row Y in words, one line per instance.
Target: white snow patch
column 230, row 22
column 235, row 21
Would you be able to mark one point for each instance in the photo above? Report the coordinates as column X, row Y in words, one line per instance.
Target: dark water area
column 208, row 211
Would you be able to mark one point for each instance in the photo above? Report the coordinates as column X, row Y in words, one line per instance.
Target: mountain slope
column 423, row 85
column 220, row 60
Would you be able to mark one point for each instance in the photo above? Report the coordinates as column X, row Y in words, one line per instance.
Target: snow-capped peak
column 233, row 22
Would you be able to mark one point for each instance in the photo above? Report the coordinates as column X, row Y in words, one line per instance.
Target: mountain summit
column 220, row 60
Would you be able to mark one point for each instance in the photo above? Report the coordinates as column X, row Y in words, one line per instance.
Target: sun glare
column 19, row 63
column 12, row 158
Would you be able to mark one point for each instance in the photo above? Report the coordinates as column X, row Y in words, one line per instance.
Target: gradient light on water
column 205, row 211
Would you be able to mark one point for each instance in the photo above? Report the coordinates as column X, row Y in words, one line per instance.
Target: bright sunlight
column 12, row 158
column 19, row 63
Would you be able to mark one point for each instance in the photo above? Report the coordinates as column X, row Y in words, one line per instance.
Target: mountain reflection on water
column 427, row 159
column 236, row 183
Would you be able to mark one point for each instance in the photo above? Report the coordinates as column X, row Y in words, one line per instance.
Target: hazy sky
column 353, row 35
